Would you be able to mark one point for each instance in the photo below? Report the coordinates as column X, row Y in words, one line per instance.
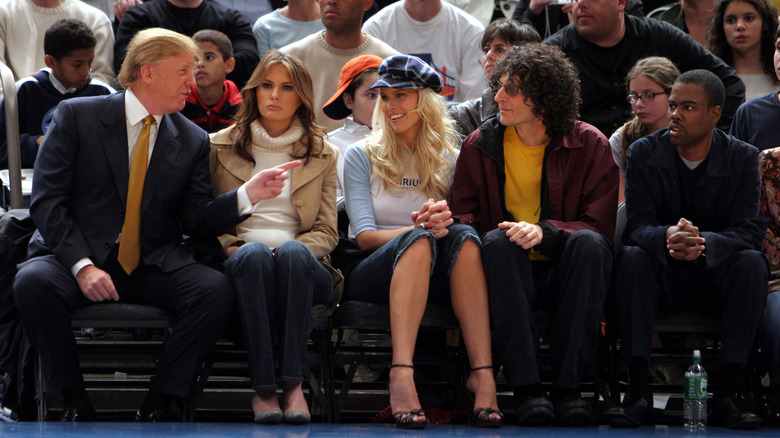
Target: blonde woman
column 274, row 255
column 396, row 188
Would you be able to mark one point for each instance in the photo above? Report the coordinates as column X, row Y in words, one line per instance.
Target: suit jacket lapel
column 113, row 137
column 166, row 148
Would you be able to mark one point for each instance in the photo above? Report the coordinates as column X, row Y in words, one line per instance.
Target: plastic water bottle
column 695, row 408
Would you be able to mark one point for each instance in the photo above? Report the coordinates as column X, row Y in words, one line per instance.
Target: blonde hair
column 434, row 147
column 153, row 45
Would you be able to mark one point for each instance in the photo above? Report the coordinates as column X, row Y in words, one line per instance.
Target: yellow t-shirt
column 523, row 188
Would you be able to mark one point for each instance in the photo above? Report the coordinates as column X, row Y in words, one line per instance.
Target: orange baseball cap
column 334, row 107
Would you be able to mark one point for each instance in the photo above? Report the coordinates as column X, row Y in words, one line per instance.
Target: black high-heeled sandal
column 480, row 417
column 405, row 419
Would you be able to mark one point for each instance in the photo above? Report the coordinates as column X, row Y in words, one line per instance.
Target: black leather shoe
column 157, row 416
column 74, row 414
column 633, row 413
column 573, row 411
column 537, row 411
column 727, row 413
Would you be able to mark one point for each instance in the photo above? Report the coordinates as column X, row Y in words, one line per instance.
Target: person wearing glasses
column 541, row 188
column 500, row 37
column 693, row 240
column 649, row 83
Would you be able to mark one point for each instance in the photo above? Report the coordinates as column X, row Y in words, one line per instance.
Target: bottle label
column 695, row 387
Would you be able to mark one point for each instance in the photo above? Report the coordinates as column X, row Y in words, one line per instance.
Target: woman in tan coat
column 274, row 255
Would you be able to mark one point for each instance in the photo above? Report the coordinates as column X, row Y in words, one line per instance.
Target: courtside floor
column 243, row 430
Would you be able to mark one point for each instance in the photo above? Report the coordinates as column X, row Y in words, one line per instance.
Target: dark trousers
column 199, row 297
column 573, row 286
column 735, row 291
column 274, row 295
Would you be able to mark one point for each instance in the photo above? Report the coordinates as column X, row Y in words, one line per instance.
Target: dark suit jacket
column 80, row 187
column 726, row 197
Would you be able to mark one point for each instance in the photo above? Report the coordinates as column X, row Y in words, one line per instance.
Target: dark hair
column 546, row 77
column 777, row 33
column 511, row 31
column 248, row 111
column 65, row 36
column 358, row 81
column 217, row 38
column 712, row 85
column 716, row 37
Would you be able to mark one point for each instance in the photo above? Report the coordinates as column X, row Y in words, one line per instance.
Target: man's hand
column 683, row 241
column 522, row 233
column 537, row 6
column 435, row 217
column 121, row 6
column 96, row 284
column 269, row 183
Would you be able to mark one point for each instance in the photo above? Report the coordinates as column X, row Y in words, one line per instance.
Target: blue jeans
column 274, row 294
column 370, row 279
column 769, row 330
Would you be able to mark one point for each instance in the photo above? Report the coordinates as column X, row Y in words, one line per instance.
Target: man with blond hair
column 118, row 180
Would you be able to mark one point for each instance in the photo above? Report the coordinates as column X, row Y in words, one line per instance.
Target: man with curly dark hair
column 541, row 187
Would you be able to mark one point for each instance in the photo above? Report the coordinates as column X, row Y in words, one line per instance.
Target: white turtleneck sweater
column 273, row 221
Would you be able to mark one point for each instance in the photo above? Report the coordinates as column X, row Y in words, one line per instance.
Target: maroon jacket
column 579, row 183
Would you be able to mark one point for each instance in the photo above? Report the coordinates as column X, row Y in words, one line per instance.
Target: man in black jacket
column 694, row 232
column 604, row 43
column 188, row 17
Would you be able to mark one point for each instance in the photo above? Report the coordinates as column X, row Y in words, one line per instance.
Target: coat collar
column 242, row 169
column 664, row 156
column 491, row 141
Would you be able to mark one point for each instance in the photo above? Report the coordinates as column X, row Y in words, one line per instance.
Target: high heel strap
column 482, row 368
column 406, row 365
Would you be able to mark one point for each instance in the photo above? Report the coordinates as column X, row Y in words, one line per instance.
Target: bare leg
column 468, row 289
column 408, row 297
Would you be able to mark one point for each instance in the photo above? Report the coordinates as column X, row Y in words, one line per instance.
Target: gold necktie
column 130, row 241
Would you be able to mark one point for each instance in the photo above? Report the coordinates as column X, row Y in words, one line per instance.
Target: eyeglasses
column 509, row 88
column 646, row 97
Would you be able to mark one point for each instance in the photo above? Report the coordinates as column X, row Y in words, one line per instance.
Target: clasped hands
column 523, row 234
column 683, row 241
column 97, row 285
column 434, row 216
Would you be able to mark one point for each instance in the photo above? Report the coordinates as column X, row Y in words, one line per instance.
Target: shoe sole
column 269, row 417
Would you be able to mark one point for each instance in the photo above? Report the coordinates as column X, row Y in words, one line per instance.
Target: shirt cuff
column 244, row 204
column 79, row 265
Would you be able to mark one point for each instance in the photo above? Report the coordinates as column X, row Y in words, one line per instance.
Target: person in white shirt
column 443, row 35
column 23, row 24
column 353, row 102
